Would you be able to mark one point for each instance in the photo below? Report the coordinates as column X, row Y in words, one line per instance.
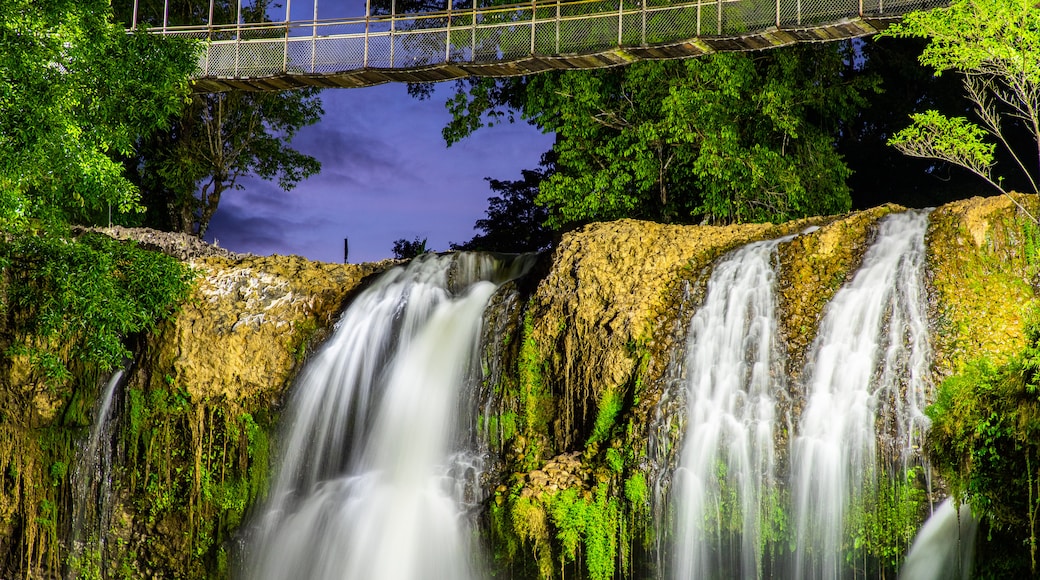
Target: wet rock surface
column 611, row 297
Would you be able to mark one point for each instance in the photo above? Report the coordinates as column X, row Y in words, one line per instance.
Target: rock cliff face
column 578, row 369
column 205, row 400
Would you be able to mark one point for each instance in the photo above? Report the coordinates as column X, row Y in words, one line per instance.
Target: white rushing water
column 92, row 481
column 365, row 487
column 727, row 458
column 866, row 378
column 944, row 546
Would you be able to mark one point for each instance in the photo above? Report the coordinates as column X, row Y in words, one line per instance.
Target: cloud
column 262, row 196
column 345, row 149
column 261, row 235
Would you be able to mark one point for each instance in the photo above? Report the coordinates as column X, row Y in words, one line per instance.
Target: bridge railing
column 476, row 34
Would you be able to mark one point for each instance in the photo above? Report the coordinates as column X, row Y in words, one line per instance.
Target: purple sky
column 386, row 174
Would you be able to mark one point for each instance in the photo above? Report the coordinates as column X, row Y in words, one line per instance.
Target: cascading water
column 731, row 384
column 365, row 488
column 92, row 483
column 944, row 547
column 860, row 387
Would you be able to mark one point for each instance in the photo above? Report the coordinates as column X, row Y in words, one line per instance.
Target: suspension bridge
column 505, row 40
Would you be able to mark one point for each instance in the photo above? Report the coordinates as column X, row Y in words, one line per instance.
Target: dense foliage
column 216, row 140
column 75, row 91
column 78, row 299
column 726, row 138
column 996, row 45
column 76, row 94
column 406, row 250
column 985, row 439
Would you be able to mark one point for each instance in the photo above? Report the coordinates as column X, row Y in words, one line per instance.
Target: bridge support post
column 534, row 15
column 642, row 34
column 314, row 37
column 557, row 26
column 620, row 19
column 238, row 39
column 285, row 48
column 699, row 2
column 209, row 35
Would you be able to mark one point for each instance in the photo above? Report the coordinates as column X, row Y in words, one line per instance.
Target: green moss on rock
column 813, row 267
column 981, row 279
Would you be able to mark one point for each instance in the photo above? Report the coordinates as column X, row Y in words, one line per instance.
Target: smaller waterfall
column 726, row 465
column 377, row 465
column 92, row 485
column 867, row 377
column 944, row 547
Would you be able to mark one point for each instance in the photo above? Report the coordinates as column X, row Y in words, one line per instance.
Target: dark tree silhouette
column 514, row 222
column 405, row 250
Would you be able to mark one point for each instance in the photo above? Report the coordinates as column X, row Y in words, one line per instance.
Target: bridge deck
column 516, row 39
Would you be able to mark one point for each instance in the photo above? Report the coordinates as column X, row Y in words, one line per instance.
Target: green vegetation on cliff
column 565, row 512
column 193, row 468
column 985, row 435
column 985, row 441
column 72, row 311
column 78, row 300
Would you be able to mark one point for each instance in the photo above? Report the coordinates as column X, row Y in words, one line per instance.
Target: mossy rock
column 610, row 299
column 981, row 281
column 813, row 267
column 204, row 403
column 250, row 322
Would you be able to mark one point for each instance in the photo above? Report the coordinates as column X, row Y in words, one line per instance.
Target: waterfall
column 366, row 485
column 92, row 486
column 726, row 466
column 944, row 547
column 866, row 380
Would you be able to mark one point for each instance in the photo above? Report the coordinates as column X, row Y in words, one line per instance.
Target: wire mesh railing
column 478, row 34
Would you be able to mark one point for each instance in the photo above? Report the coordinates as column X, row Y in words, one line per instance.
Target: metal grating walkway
column 515, row 39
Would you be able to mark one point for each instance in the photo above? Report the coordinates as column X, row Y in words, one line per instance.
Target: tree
column 725, row 138
column 405, row 250
column 218, row 138
column 995, row 45
column 514, row 222
column 76, row 90
column 863, row 139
